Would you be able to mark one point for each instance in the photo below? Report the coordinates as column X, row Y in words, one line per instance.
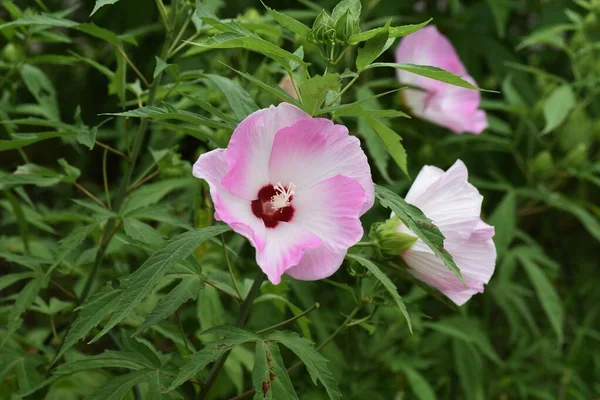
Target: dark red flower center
column 273, row 205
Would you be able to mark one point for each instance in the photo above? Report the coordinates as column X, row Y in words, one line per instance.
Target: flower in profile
column 447, row 105
column 454, row 205
column 295, row 186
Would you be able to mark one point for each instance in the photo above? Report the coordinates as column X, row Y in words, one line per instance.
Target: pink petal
column 447, row 105
column 313, row 150
column 232, row 210
column 426, row 177
column 250, row 148
column 450, row 201
column 318, row 263
column 284, row 248
column 331, row 209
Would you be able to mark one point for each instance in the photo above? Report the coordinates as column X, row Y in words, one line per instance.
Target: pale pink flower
column 454, row 205
column 288, row 86
column 295, row 186
column 447, row 105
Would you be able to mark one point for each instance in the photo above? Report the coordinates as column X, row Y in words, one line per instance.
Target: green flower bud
column 390, row 242
column 345, row 26
column 576, row 157
column 542, row 165
column 323, row 29
column 11, row 52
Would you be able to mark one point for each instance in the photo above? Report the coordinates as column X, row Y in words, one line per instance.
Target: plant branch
column 229, row 266
column 132, row 65
column 243, row 315
column 107, row 147
column 90, row 195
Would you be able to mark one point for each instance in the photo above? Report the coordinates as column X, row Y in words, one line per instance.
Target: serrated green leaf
column 373, row 48
column 240, row 101
column 141, row 231
column 199, row 360
column 187, row 289
column 117, row 388
column 430, row 72
column 315, row 363
column 9, row 279
column 90, row 314
column 288, row 22
column 26, row 297
column 547, row 295
column 159, row 113
column 271, row 380
column 419, row 224
column 69, row 244
column 394, row 32
column 42, row 90
column 391, row 141
column 152, row 193
column 102, row 3
column 108, row 359
column 557, row 107
column 25, row 139
column 140, row 283
column 314, row 91
column 385, row 281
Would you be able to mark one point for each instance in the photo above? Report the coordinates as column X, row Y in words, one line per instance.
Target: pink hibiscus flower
column 447, row 105
column 295, row 186
column 454, row 205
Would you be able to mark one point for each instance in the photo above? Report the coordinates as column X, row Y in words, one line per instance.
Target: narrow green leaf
column 501, row 11
column 69, row 244
column 152, row 193
column 276, row 91
column 140, row 283
column 159, row 113
column 26, row 297
column 354, row 6
column 270, row 378
column 117, row 388
column 385, row 281
column 547, row 295
column 90, row 314
column 394, row 32
column 392, row 142
column 42, row 90
column 417, row 383
column 108, row 359
column 315, row 363
column 25, row 139
column 20, row 215
column 469, row 367
column 430, row 72
column 419, row 224
column 187, row 289
column 504, row 220
column 9, row 279
column 557, row 107
column 288, row 22
column 240, row 101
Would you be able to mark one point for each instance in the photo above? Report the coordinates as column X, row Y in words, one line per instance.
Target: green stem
column 342, row 91
column 229, row 266
column 299, row 363
column 287, row 321
column 241, row 320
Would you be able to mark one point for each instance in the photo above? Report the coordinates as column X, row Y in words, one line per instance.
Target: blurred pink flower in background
column 295, row 186
column 454, row 205
column 287, row 85
column 447, row 105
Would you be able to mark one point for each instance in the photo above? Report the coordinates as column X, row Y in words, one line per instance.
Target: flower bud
column 323, row 30
column 345, row 26
column 542, row 165
column 389, row 241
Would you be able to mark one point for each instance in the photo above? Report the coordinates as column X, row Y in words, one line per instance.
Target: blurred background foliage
column 533, row 334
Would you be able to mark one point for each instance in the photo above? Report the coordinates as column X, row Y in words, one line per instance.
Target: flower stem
column 241, row 320
column 235, row 285
column 287, row 321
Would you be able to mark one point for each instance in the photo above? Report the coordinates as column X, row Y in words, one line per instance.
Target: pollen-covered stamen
column 284, row 195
